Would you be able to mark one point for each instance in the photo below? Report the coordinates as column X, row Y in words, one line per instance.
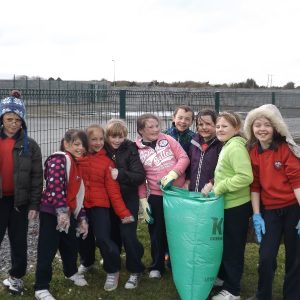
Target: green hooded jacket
column 233, row 174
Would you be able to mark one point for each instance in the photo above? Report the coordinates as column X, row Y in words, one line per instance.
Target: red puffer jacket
column 100, row 189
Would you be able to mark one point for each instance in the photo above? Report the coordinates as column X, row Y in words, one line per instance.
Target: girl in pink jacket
column 165, row 162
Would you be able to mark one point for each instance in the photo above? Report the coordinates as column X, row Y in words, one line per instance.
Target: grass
column 163, row 289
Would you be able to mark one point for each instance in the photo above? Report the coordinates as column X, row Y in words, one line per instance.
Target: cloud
column 217, row 41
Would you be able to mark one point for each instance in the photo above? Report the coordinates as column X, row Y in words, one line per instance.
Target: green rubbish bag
column 194, row 226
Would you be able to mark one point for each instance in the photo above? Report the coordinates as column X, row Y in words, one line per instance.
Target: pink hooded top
column 168, row 155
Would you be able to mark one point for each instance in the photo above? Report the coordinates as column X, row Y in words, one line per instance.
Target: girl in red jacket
column 275, row 196
column 101, row 191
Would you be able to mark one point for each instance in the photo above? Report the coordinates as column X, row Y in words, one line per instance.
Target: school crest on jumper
column 163, row 143
column 277, row 164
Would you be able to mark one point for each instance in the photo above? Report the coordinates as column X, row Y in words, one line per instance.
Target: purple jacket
column 203, row 163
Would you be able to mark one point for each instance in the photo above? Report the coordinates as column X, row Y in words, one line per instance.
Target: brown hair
column 141, row 121
column 186, row 108
column 206, row 112
column 277, row 138
column 116, row 127
column 72, row 135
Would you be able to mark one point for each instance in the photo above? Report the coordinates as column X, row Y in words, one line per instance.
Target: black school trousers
column 15, row 220
column 280, row 223
column 236, row 221
column 51, row 240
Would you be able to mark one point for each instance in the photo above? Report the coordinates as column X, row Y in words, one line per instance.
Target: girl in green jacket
column 233, row 175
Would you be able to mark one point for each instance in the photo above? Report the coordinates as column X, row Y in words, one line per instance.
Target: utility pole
column 269, row 83
column 114, row 71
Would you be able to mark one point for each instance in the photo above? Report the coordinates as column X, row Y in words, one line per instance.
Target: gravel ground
column 32, row 247
column 293, row 123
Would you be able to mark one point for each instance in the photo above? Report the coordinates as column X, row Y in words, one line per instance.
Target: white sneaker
column 111, row 282
column 218, row 282
column 78, row 279
column 133, row 281
column 225, row 295
column 83, row 269
column 14, row 285
column 43, row 295
column 155, row 274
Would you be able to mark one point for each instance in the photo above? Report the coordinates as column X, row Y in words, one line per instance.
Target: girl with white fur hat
column 275, row 196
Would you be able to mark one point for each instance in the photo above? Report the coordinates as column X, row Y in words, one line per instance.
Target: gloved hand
column 127, row 220
column 83, row 229
column 207, row 188
column 298, row 228
column 186, row 185
column 63, row 222
column 259, row 226
column 147, row 214
column 167, row 180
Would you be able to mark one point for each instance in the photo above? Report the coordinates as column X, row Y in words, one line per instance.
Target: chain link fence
column 51, row 112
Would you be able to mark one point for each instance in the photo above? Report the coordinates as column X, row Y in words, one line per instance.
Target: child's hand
column 259, row 226
column 186, row 185
column 147, row 213
column 207, row 188
column 83, row 228
column 298, row 228
column 167, row 180
column 114, row 173
column 63, row 222
column 32, row 214
column 128, row 220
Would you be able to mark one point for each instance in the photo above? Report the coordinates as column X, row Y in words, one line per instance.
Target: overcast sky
column 220, row 41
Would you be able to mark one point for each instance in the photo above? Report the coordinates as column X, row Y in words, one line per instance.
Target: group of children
column 96, row 183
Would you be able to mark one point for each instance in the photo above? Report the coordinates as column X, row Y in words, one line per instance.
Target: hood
column 272, row 113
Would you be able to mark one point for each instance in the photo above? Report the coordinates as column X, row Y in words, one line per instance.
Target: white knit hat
column 272, row 113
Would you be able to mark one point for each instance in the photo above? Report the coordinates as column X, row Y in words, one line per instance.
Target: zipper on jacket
column 199, row 171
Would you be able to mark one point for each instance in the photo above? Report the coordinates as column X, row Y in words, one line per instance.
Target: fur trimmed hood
column 272, row 113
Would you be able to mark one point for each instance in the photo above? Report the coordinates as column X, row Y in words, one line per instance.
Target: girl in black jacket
column 129, row 172
column 21, row 184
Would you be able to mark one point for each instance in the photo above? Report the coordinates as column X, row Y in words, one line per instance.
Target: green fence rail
column 51, row 112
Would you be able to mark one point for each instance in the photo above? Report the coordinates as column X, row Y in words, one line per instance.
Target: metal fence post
column 273, row 98
column 217, row 102
column 122, row 104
